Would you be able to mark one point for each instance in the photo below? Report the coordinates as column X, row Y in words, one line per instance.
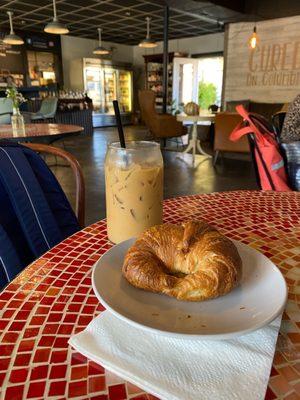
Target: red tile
column 26, row 345
column 46, row 341
column 58, row 356
column 61, row 342
column 79, row 372
column 65, row 329
column 37, row 321
column 54, row 317
column 4, row 363
column 117, row 392
column 84, row 320
column 42, row 310
column 22, row 360
column 74, row 307
column 50, row 329
column 10, row 337
column 22, row 315
column 14, row 392
column 6, row 349
column 99, row 397
column 36, row 389
column 70, row 318
column 3, row 324
column 58, row 371
column 31, row 332
column 58, row 307
column 269, row 394
column 39, row 372
column 57, row 388
column 2, row 377
column 41, row 355
column 97, row 384
column 16, row 326
column 78, row 359
column 77, row 389
column 18, row 375
column 95, row 369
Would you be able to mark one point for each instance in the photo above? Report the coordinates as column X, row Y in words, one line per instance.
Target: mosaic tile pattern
column 52, row 299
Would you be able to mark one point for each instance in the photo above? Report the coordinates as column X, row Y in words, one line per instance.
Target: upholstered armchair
column 225, row 122
column 161, row 126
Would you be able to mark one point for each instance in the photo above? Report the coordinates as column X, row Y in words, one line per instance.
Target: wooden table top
column 38, row 130
column 53, row 298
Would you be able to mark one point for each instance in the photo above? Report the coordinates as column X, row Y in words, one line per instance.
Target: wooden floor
column 179, row 177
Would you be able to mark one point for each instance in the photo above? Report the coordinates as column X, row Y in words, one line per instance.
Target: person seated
column 291, row 126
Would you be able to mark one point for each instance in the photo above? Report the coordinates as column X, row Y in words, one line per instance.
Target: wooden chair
column 77, row 171
column 225, row 122
column 161, row 126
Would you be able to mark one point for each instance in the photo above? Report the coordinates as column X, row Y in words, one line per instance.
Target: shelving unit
column 154, row 77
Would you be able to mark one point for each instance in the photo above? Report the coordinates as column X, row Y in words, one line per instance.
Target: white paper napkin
column 177, row 369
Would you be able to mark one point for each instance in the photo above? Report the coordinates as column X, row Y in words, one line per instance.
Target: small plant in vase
column 17, row 119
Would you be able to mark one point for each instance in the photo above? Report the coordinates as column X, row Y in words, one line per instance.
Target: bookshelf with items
column 154, row 77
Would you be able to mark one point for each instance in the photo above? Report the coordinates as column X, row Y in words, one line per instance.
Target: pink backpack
column 270, row 163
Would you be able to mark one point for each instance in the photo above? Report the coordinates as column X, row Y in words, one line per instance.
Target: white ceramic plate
column 258, row 300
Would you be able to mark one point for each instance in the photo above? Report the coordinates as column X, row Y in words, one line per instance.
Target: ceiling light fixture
column 148, row 43
column 12, row 38
column 56, row 27
column 100, row 50
column 254, row 39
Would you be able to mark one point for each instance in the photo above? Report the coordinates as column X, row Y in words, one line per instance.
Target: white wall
column 74, row 49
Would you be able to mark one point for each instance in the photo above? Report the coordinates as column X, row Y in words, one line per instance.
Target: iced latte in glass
column 134, row 189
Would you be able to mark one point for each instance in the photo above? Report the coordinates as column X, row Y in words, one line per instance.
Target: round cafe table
column 53, row 299
column 194, row 143
column 46, row 132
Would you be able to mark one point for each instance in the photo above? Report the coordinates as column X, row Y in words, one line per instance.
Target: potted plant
column 207, row 94
column 17, row 119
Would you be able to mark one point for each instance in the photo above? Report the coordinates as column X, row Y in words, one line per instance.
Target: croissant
column 191, row 261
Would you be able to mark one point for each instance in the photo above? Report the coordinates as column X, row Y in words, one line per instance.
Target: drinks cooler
column 104, row 82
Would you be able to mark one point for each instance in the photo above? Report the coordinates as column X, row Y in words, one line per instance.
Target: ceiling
column 123, row 21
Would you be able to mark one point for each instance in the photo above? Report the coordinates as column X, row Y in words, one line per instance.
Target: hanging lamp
column 56, row 27
column 12, row 38
column 100, row 50
column 148, row 43
column 254, row 39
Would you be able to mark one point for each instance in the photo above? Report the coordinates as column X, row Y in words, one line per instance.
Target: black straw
column 119, row 123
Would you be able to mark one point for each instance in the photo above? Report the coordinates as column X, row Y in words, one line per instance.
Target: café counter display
column 71, row 111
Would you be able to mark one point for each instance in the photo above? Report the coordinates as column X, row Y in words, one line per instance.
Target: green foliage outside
column 207, row 95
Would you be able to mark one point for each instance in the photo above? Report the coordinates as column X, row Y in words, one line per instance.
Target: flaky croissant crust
column 191, row 261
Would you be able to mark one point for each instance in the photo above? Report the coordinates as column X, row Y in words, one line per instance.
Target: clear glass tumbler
column 134, row 188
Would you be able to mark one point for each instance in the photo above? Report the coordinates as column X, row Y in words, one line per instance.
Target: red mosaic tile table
column 52, row 299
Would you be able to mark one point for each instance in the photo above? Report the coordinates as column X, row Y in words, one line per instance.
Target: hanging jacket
column 35, row 214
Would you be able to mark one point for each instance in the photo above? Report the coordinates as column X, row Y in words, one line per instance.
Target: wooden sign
column 271, row 72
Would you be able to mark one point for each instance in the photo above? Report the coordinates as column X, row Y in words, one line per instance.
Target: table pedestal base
column 195, row 144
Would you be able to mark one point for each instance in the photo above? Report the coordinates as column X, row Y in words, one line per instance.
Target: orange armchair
column 161, row 126
column 225, row 122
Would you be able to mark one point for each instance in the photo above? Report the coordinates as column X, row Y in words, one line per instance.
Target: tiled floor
column 180, row 177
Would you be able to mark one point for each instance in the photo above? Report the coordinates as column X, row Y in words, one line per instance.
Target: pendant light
column 56, row 27
column 148, row 43
column 12, row 38
column 100, row 50
column 254, row 39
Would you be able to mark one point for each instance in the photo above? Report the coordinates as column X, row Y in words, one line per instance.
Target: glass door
column 94, row 86
column 110, row 89
column 185, row 80
column 124, row 89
